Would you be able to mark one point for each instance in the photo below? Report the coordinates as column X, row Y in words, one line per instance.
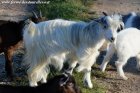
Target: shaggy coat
column 79, row 41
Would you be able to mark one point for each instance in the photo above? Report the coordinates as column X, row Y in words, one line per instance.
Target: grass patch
column 97, row 72
column 97, row 88
column 66, row 9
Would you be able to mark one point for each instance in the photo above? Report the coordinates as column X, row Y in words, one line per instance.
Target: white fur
column 55, row 39
column 126, row 45
column 130, row 19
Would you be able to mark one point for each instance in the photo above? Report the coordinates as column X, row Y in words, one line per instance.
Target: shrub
column 66, row 9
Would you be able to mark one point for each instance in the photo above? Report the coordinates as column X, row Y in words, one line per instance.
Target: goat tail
column 29, row 28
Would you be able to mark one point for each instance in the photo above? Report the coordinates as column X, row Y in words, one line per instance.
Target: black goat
column 59, row 84
column 11, row 39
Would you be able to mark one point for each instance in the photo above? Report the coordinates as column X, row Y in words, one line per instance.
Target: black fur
column 52, row 86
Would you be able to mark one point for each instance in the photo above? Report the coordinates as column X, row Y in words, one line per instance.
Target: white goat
column 80, row 40
column 127, row 44
column 130, row 20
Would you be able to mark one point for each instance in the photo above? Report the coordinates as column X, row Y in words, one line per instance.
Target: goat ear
column 121, row 26
column 105, row 14
column 63, row 81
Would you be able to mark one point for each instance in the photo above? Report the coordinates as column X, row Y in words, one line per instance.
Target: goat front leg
column 72, row 62
column 45, row 72
column 120, row 63
column 72, row 65
column 138, row 62
column 107, row 57
column 87, row 75
column 87, row 78
column 9, row 64
column 85, row 66
column 32, row 76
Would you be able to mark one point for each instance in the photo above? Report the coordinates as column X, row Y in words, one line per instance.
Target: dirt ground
column 117, row 6
column 15, row 12
column 113, row 82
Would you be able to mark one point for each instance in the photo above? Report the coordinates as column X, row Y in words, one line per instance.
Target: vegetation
column 66, row 9
column 97, row 88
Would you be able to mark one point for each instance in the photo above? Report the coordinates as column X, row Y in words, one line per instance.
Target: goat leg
column 9, row 64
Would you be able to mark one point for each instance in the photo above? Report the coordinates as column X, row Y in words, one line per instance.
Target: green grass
column 66, row 9
column 98, row 73
column 97, row 88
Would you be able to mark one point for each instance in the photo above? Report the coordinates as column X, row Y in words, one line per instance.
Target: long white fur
column 80, row 41
column 127, row 45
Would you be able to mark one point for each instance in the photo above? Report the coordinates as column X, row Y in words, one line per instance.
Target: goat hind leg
column 85, row 66
column 45, row 73
column 138, row 62
column 72, row 62
column 9, row 64
column 32, row 76
column 107, row 57
column 119, row 64
column 72, row 65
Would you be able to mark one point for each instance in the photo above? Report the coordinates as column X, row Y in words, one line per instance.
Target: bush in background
column 66, row 9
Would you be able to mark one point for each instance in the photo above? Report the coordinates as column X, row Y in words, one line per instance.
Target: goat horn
column 35, row 14
column 40, row 14
column 105, row 13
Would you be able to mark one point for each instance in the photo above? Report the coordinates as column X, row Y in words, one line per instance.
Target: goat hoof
column 86, row 84
column 33, row 84
column 101, row 68
column 125, row 78
column 43, row 81
column 138, row 68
